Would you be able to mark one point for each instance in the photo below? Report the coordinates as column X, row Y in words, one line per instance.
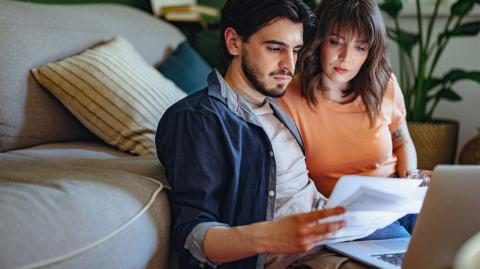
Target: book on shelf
column 200, row 9
column 157, row 5
column 182, row 10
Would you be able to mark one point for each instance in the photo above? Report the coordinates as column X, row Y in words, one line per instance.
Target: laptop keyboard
column 392, row 258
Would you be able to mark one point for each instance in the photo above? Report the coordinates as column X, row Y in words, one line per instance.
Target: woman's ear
column 232, row 41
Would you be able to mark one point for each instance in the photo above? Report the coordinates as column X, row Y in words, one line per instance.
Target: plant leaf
column 462, row 7
column 392, row 7
column 430, row 84
column 458, row 74
column 449, row 94
column 466, row 29
column 405, row 40
column 210, row 19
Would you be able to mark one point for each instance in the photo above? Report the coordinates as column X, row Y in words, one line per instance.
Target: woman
column 347, row 104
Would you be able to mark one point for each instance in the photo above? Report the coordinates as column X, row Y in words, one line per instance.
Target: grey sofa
column 68, row 200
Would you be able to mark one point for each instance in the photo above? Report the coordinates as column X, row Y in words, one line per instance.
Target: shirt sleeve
column 195, row 241
column 399, row 111
column 192, row 147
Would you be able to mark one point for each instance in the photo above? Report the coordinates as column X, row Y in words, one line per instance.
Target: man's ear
column 232, row 41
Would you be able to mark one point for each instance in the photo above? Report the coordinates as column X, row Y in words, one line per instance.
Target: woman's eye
column 334, row 42
column 361, row 49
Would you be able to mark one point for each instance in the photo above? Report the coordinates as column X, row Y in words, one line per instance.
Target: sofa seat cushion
column 71, row 151
column 65, row 216
column 93, row 155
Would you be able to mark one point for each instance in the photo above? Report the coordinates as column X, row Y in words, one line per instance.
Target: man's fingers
column 319, row 214
column 327, row 228
column 322, row 232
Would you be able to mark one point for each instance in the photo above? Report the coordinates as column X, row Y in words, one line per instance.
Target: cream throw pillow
column 113, row 92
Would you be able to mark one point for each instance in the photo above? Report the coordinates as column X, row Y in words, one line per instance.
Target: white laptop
column 450, row 215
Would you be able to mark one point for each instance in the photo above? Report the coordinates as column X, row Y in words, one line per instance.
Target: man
column 235, row 161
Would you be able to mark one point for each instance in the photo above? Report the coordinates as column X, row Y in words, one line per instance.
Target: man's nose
column 288, row 61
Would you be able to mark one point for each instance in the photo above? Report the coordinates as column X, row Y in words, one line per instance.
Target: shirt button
column 271, row 193
column 201, row 265
column 271, row 153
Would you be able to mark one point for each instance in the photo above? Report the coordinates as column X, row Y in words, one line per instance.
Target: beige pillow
column 113, row 92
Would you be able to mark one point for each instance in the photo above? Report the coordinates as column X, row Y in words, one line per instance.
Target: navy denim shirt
column 220, row 165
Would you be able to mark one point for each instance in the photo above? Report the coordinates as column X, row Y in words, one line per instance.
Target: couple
column 243, row 194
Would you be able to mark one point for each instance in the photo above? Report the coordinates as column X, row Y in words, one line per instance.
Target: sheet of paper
column 367, row 199
column 372, row 203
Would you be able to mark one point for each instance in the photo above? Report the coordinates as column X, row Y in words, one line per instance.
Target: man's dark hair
column 249, row 16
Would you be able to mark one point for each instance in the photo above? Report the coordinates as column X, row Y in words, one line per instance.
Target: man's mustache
column 282, row 73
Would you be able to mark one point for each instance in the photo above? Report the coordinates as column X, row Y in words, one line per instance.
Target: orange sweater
column 339, row 139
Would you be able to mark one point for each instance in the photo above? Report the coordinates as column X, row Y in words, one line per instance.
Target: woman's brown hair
column 361, row 18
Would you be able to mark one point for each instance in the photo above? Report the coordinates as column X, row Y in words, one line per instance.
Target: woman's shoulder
column 292, row 101
column 293, row 93
column 294, row 87
column 393, row 90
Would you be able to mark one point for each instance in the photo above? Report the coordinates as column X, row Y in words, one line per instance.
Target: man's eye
column 274, row 49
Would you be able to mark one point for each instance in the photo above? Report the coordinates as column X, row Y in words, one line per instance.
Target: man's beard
column 251, row 74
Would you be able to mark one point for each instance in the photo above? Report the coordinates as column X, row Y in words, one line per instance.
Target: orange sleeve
column 399, row 111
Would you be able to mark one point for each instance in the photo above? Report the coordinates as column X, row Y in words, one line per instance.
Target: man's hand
column 292, row 234
column 298, row 233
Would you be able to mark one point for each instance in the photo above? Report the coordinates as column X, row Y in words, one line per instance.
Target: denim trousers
column 402, row 227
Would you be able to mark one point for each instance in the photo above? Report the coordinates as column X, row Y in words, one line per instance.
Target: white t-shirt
column 295, row 191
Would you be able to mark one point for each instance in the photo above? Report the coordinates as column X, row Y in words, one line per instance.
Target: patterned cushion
column 113, row 92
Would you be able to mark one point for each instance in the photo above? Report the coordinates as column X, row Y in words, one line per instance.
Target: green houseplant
column 419, row 53
column 422, row 88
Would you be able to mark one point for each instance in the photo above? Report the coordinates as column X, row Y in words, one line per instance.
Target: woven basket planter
column 435, row 142
column 470, row 153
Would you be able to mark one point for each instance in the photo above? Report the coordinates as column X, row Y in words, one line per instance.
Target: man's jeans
column 403, row 227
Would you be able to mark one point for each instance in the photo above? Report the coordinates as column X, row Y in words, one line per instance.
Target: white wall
column 463, row 53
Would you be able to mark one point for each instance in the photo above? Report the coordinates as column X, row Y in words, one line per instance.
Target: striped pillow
column 113, row 92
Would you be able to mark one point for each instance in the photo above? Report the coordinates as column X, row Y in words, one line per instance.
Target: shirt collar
column 219, row 89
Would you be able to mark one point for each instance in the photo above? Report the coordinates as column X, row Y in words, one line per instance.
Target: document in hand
column 372, row 203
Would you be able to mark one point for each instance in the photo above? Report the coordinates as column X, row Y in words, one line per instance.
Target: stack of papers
column 372, row 203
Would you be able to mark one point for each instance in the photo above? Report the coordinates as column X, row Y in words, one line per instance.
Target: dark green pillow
column 186, row 68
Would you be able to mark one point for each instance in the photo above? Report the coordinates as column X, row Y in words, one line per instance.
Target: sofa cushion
column 65, row 216
column 72, row 151
column 95, row 155
column 186, row 68
column 113, row 92
column 35, row 34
